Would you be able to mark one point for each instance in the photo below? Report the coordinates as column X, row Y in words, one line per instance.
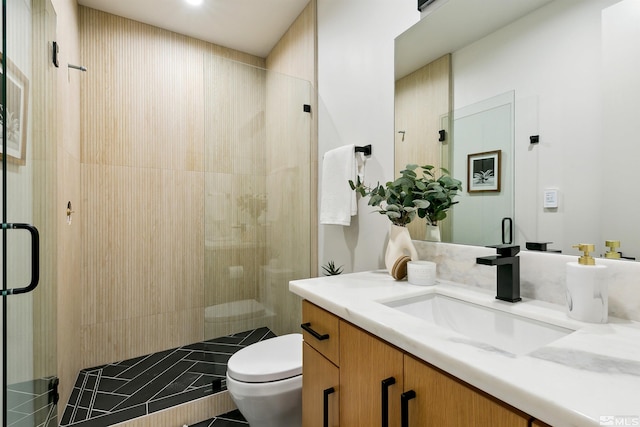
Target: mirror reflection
column 571, row 68
column 482, row 156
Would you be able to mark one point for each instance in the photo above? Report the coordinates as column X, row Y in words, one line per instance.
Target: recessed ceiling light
column 194, row 2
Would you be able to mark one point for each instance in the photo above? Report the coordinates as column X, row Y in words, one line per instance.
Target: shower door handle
column 35, row 258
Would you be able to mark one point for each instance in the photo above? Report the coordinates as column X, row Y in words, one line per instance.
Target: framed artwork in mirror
column 14, row 116
column 483, row 172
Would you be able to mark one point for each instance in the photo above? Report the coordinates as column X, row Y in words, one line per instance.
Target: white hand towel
column 338, row 200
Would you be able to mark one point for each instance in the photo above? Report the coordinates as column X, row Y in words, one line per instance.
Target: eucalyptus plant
column 426, row 196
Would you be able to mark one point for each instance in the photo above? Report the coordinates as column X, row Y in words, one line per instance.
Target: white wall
column 552, row 58
column 356, row 90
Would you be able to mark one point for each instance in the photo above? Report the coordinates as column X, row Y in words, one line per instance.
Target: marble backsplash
column 542, row 275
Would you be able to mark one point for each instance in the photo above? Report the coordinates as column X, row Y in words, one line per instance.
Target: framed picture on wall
column 14, row 116
column 483, row 172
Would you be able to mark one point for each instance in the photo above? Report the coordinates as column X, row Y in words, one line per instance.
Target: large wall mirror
column 571, row 68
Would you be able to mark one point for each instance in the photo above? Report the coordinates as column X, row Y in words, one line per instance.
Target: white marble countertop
column 577, row 380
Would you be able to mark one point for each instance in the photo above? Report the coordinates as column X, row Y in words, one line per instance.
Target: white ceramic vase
column 433, row 233
column 399, row 244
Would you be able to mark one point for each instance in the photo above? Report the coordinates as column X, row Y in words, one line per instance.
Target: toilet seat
column 269, row 360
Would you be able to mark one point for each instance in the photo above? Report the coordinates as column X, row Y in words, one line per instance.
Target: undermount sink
column 483, row 325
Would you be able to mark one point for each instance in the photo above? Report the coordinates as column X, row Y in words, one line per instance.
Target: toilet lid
column 269, row 360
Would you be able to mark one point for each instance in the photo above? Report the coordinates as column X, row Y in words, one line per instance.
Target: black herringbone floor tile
column 108, row 394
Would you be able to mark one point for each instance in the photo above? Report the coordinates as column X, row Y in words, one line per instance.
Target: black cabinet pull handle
column 404, row 407
column 319, row 337
column 386, row 383
column 325, row 406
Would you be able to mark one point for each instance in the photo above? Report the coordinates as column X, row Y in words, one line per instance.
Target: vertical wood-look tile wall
column 143, row 186
column 422, row 99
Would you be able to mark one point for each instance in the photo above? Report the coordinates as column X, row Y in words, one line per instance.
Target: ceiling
column 251, row 26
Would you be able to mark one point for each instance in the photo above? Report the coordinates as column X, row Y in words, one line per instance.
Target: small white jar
column 421, row 273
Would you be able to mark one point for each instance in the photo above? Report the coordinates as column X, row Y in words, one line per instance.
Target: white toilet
column 265, row 382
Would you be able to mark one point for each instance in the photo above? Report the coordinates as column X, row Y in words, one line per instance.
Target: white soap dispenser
column 587, row 289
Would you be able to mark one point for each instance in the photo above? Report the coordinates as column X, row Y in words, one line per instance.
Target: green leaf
column 393, row 193
column 402, row 182
column 375, row 200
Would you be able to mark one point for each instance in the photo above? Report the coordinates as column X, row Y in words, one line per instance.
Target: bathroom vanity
column 382, row 352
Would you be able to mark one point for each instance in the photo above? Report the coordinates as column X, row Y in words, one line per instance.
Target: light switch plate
column 550, row 199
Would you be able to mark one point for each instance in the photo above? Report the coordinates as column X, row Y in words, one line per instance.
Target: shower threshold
column 121, row 391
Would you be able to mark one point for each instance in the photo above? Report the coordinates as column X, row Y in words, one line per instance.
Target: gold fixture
column 612, row 245
column 587, row 248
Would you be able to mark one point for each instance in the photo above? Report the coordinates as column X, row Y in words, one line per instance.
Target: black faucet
column 508, row 271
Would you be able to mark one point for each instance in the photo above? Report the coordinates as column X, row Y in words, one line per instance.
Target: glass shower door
column 257, row 199
column 29, row 390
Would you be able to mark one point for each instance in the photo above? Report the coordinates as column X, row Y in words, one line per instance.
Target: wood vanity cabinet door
column 443, row 401
column 538, row 423
column 365, row 361
column 318, row 375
